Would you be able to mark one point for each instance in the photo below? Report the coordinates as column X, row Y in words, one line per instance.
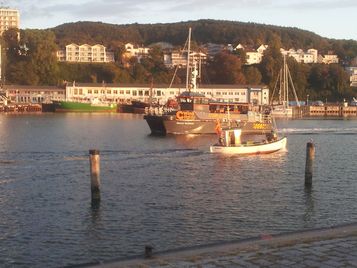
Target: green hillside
column 204, row 31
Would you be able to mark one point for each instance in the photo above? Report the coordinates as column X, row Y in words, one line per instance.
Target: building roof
column 137, row 85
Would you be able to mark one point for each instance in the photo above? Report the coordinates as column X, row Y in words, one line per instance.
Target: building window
column 89, row 91
column 96, row 91
column 127, row 92
column 135, row 93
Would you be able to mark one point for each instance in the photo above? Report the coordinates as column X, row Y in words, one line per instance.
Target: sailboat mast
column 281, row 86
column 286, row 85
column 188, row 60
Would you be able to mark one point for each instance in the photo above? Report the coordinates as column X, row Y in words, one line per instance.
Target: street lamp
column 307, row 99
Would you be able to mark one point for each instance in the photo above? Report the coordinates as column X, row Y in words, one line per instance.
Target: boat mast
column 294, row 91
column 286, row 85
column 188, row 60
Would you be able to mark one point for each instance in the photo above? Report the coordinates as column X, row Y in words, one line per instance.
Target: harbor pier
column 329, row 111
column 327, row 247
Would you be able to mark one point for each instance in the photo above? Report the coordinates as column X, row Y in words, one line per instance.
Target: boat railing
column 266, row 118
column 158, row 111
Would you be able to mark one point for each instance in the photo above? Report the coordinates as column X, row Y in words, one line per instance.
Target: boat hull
column 68, row 106
column 281, row 112
column 169, row 124
column 156, row 124
column 251, row 149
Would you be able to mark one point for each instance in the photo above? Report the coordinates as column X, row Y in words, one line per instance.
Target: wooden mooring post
column 148, row 251
column 310, row 156
column 94, row 161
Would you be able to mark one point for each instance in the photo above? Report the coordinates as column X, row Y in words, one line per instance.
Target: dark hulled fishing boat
column 198, row 115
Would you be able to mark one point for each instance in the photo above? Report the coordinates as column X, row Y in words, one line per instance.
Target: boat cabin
column 192, row 101
column 233, row 108
column 234, row 137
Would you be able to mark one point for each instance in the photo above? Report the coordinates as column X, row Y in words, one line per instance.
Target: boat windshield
column 186, row 104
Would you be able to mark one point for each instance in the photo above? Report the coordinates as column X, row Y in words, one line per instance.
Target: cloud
column 50, row 13
column 319, row 4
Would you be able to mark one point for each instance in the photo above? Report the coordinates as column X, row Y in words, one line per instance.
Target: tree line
column 32, row 61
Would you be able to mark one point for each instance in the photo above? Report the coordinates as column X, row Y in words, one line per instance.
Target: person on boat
column 218, row 128
column 219, row 132
column 272, row 136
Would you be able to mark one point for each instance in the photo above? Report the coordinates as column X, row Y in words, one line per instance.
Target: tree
column 299, row 73
column 272, row 62
column 252, row 75
column 16, row 71
column 242, row 55
column 34, row 56
column 226, row 68
column 329, row 81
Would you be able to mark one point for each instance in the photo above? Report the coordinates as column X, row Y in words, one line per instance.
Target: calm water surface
column 169, row 192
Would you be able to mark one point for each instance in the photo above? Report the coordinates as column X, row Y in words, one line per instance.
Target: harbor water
column 168, row 192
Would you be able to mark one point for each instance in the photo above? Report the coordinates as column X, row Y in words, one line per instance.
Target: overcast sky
column 328, row 18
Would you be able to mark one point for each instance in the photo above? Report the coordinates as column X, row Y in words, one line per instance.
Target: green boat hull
column 71, row 106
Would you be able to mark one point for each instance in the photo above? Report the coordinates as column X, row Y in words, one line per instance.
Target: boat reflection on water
column 193, row 141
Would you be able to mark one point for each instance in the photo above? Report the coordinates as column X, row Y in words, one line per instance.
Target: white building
column 9, row 18
column 253, row 56
column 34, row 94
column 258, row 95
column 179, row 58
column 85, row 53
column 329, row 59
column 135, row 51
column 301, row 56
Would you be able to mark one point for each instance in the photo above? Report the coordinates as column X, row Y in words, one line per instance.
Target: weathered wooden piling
column 310, row 156
column 148, row 251
column 94, row 161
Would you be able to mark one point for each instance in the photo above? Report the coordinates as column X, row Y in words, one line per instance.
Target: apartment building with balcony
column 85, row 53
column 309, row 56
column 329, row 59
column 179, row 58
column 9, row 18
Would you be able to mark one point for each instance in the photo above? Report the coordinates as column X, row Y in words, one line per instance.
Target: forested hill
column 204, row 31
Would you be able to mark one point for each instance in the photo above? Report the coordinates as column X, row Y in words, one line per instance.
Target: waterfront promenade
column 331, row 247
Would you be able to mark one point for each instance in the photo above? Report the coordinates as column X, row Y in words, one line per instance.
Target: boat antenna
column 151, row 88
column 188, row 60
column 178, row 66
column 229, row 115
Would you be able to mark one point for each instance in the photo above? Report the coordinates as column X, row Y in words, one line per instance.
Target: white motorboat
column 231, row 142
